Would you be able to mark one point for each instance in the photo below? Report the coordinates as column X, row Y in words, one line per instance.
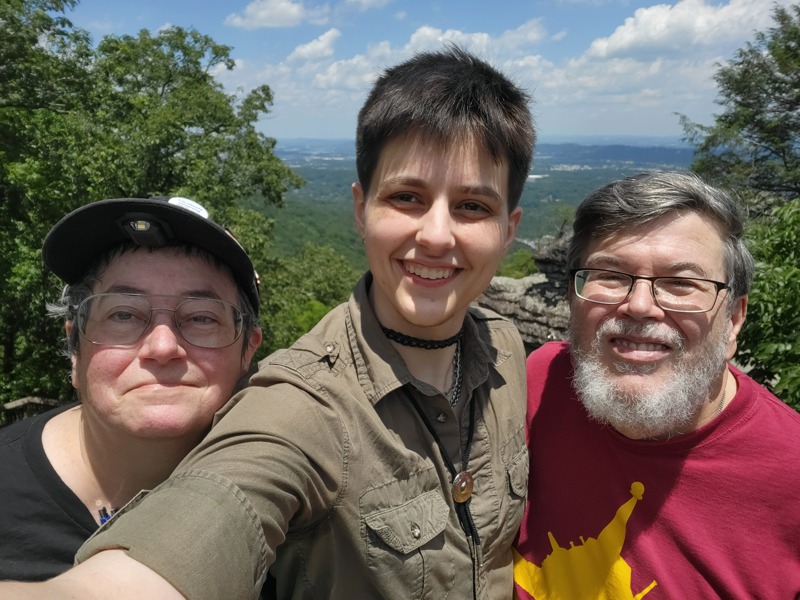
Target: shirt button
column 441, row 417
column 415, row 531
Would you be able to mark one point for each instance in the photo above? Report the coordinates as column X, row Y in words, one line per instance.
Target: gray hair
column 640, row 199
column 72, row 295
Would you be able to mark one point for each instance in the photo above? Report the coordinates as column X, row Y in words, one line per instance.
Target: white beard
column 649, row 411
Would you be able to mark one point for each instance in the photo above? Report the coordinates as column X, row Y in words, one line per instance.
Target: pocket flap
column 518, row 473
column 412, row 524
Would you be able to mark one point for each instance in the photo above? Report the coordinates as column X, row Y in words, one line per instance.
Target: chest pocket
column 415, row 523
column 404, row 530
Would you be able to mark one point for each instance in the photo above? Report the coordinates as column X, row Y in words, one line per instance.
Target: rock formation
column 537, row 304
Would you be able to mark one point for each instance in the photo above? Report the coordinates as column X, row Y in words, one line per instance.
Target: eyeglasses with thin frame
column 675, row 294
column 117, row 319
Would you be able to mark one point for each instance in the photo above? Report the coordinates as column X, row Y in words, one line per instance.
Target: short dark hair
column 448, row 96
column 642, row 198
column 74, row 294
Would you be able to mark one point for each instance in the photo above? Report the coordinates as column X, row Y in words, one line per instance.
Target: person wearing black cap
column 382, row 455
column 160, row 308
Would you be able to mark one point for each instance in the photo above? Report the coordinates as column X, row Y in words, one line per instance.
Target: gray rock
column 537, row 304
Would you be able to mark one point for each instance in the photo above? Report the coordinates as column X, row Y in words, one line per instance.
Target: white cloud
column 277, row 13
column 355, row 74
column 658, row 62
column 431, row 38
column 322, row 47
column 523, row 37
column 683, row 27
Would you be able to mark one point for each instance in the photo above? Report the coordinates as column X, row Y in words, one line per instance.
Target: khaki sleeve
column 273, row 462
column 197, row 530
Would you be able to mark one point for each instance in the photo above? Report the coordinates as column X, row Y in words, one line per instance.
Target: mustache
column 657, row 332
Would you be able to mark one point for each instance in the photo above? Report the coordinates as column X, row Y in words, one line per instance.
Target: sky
column 594, row 68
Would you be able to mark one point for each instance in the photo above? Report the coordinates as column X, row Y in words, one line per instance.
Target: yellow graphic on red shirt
column 594, row 569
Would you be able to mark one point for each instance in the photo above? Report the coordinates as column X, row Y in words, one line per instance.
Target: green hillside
column 321, row 211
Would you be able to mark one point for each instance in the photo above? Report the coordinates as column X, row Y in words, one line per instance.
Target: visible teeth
column 643, row 347
column 426, row 273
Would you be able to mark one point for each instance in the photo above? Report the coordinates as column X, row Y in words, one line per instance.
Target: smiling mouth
column 640, row 346
column 428, row 273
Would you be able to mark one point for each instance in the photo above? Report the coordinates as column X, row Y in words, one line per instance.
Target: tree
column 755, row 141
column 43, row 66
column 134, row 117
column 770, row 340
column 753, row 147
column 518, row 264
column 301, row 290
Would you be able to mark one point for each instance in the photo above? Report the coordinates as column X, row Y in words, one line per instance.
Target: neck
column 103, row 467
column 719, row 401
column 434, row 367
column 424, row 343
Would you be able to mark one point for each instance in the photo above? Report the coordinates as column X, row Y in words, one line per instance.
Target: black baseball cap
column 77, row 240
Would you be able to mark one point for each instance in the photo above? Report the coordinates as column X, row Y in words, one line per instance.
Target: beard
column 651, row 410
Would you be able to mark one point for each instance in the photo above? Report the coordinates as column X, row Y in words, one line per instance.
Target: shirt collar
column 380, row 367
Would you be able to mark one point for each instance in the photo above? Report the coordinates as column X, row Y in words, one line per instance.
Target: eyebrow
column 484, row 191
column 618, row 264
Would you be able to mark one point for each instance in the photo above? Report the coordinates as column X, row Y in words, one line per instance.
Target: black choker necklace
column 414, row 342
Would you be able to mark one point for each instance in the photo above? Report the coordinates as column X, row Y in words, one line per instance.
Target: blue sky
column 594, row 67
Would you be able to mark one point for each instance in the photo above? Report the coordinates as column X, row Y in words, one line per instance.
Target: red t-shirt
column 711, row 514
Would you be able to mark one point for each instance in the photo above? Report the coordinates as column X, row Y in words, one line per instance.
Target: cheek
column 220, row 372
column 697, row 331
column 383, row 243
column 586, row 317
column 100, row 366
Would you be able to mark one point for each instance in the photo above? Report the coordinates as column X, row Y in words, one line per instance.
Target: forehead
column 166, row 271
column 685, row 242
column 452, row 162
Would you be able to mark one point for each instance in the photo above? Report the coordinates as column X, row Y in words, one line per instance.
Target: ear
column 359, row 208
column 737, row 321
column 253, row 342
column 511, row 231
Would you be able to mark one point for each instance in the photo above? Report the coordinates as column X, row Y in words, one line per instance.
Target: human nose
column 640, row 303
column 162, row 341
column 436, row 227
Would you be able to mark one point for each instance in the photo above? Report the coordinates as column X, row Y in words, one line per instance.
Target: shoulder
column 495, row 329
column 549, row 367
column 19, row 430
column 327, row 339
column 766, row 402
column 557, row 353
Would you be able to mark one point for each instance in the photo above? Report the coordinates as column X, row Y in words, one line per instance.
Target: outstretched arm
column 109, row 574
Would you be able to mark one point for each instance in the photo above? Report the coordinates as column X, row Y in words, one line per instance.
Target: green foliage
column 300, row 291
column 320, row 212
column 755, row 141
column 134, row 116
column 518, row 264
column 769, row 344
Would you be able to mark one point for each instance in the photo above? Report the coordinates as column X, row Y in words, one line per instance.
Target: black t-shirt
column 42, row 522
